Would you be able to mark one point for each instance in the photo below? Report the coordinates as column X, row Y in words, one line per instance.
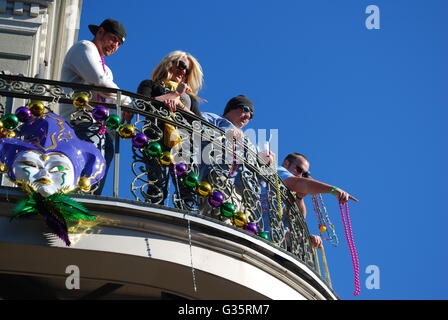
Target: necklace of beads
column 324, row 223
column 351, row 244
column 103, row 64
column 279, row 197
column 234, row 165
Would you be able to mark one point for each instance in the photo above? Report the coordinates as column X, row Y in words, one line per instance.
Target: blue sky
column 367, row 107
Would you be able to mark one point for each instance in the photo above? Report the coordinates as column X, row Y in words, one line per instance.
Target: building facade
column 36, row 34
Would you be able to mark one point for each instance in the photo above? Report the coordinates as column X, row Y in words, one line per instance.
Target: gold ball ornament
column 322, row 228
column 3, row 168
column 126, row 131
column 81, row 101
column 9, row 134
column 84, row 184
column 1, row 124
column 239, row 219
column 166, row 158
column 37, row 108
column 204, row 189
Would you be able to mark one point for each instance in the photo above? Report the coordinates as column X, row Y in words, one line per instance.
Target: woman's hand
column 171, row 104
column 171, row 100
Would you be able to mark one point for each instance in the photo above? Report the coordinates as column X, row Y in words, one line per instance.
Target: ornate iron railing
column 263, row 205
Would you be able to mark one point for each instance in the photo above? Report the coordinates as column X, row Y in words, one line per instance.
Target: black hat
column 239, row 101
column 110, row 25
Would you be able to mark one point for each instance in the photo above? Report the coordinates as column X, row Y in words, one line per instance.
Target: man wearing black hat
column 84, row 63
column 237, row 114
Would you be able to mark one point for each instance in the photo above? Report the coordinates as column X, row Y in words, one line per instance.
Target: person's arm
column 171, row 99
column 195, row 106
column 311, row 186
column 145, row 88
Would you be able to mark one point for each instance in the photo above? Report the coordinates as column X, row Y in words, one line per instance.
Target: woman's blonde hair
column 194, row 77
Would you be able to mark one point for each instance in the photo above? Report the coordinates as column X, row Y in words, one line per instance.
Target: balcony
column 159, row 235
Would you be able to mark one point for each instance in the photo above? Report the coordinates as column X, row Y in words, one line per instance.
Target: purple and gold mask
column 48, row 155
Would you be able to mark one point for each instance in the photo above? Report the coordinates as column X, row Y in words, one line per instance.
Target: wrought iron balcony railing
column 197, row 176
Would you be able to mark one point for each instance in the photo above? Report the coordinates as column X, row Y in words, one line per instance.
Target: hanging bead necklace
column 103, row 64
column 234, row 165
column 351, row 244
column 279, row 197
column 324, row 224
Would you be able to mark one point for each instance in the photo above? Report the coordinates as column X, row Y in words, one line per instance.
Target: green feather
column 67, row 201
column 58, row 206
column 74, row 214
column 71, row 209
column 24, row 207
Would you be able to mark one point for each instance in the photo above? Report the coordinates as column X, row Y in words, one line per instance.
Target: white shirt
column 82, row 64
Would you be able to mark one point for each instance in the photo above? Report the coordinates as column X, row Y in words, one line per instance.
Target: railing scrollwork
column 248, row 187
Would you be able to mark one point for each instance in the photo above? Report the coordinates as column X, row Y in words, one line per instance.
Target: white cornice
column 24, row 8
column 44, row 3
column 12, row 25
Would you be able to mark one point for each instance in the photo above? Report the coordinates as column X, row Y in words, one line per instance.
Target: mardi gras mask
column 48, row 160
column 49, row 156
column 49, row 173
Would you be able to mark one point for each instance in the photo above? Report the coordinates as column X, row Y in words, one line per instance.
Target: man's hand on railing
column 126, row 100
column 126, row 116
column 316, row 241
column 267, row 156
column 235, row 133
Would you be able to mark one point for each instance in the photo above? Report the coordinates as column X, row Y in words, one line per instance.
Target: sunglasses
column 247, row 109
column 182, row 66
column 304, row 174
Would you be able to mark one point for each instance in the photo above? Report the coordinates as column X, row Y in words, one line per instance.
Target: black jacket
column 152, row 89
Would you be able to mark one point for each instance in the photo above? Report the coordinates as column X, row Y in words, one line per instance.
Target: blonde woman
column 176, row 82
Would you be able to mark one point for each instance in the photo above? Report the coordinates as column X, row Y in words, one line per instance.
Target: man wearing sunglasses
column 296, row 176
column 237, row 113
